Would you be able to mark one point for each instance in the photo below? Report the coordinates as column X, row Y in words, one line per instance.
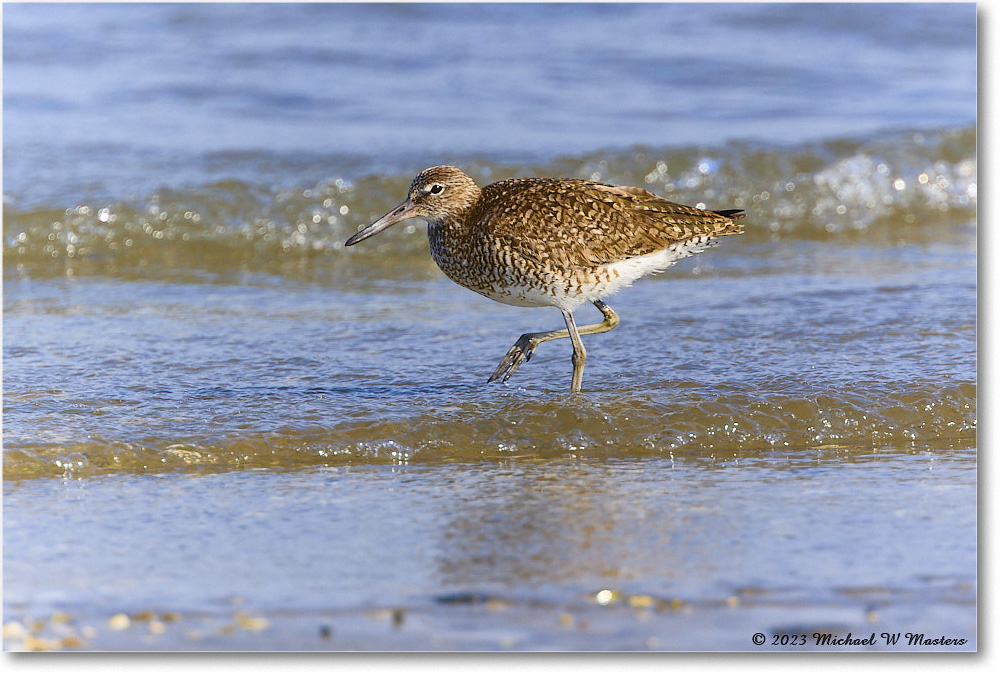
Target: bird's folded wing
column 576, row 223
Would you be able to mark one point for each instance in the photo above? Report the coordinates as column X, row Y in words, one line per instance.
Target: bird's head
column 437, row 194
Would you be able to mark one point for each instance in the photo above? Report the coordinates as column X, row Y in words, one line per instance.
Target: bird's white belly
column 631, row 269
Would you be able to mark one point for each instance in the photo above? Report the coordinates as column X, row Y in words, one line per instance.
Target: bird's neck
column 451, row 225
column 448, row 237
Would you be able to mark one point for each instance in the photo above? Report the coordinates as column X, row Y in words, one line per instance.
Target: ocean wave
column 912, row 187
column 697, row 426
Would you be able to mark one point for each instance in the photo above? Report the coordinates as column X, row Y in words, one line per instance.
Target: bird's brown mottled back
column 579, row 223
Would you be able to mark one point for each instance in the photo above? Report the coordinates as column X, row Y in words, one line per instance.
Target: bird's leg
column 610, row 320
column 579, row 353
column 525, row 345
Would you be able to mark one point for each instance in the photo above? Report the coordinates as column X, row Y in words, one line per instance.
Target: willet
column 551, row 242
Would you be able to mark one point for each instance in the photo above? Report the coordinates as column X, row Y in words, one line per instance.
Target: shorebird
column 551, row 242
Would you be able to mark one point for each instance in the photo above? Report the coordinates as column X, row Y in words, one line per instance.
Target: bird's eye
column 436, row 189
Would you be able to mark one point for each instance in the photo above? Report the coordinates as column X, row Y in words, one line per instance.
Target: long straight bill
column 401, row 212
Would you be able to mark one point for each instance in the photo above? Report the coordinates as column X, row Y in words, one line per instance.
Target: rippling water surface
column 223, row 425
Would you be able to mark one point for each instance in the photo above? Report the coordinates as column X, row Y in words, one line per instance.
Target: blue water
column 99, row 93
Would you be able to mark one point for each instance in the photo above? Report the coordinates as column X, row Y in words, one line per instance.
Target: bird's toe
column 512, row 360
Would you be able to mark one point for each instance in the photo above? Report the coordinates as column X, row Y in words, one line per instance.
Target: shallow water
column 224, row 425
column 149, row 376
column 697, row 552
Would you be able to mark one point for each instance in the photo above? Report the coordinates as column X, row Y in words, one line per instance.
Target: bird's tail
column 733, row 215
